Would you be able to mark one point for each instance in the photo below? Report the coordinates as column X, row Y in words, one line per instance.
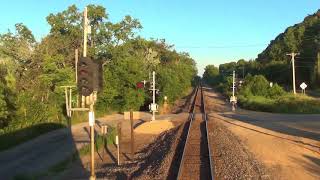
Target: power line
column 222, row 47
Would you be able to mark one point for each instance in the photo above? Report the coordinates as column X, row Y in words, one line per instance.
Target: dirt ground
column 153, row 142
column 155, row 145
column 264, row 150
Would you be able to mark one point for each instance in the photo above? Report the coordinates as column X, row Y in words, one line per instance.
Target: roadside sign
column 303, row 86
column 91, row 118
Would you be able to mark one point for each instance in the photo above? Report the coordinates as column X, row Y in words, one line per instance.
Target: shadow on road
column 287, row 124
column 291, row 140
column 43, row 157
column 310, row 164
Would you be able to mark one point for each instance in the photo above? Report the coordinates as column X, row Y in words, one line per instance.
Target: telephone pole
column 89, row 100
column 233, row 99
column 293, row 55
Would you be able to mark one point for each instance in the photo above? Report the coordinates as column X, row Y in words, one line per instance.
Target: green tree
column 211, row 75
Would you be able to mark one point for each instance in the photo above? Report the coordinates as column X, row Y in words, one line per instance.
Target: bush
column 284, row 104
column 275, row 91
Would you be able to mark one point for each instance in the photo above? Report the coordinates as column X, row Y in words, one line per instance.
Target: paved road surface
column 307, row 126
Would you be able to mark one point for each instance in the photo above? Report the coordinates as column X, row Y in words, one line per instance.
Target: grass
column 287, row 103
column 82, row 116
column 79, row 117
column 17, row 137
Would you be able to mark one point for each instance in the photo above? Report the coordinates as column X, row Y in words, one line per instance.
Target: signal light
column 85, row 75
column 140, row 85
column 89, row 76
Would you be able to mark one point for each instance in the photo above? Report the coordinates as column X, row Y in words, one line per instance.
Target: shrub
column 275, row 91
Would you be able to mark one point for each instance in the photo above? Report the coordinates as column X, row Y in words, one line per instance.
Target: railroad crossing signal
column 140, row 85
column 89, row 76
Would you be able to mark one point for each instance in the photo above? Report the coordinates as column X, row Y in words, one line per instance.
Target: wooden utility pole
column 85, row 31
column 153, row 95
column 293, row 55
column 76, row 59
column 91, row 112
column 233, row 91
column 70, row 102
column 67, row 104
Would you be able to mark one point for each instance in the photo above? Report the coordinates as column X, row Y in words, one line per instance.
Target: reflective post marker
column 118, row 149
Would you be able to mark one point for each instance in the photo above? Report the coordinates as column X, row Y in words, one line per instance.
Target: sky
column 211, row 31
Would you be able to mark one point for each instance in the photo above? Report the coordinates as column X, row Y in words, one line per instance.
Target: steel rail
column 208, row 137
column 191, row 119
column 191, row 116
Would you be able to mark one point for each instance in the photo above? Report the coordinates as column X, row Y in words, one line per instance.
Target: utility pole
column 76, row 59
column 89, row 100
column 293, row 55
column 233, row 99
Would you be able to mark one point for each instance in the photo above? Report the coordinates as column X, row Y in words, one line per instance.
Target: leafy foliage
column 303, row 38
column 211, row 75
column 31, row 72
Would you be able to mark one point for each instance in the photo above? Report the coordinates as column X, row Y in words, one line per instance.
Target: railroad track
column 196, row 162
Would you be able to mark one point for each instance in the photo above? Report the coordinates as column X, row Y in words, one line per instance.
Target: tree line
column 275, row 65
column 32, row 72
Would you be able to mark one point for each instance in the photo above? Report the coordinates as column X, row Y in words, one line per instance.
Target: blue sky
column 212, row 31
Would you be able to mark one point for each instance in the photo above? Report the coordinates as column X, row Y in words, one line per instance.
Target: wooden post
column 119, row 142
column 132, row 135
column 85, row 32
column 70, row 101
column 76, row 58
column 93, row 175
column 67, row 104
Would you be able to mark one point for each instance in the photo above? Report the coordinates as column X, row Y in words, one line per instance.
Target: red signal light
column 140, row 85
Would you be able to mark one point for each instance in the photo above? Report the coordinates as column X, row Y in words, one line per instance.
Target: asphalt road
column 306, row 125
column 41, row 153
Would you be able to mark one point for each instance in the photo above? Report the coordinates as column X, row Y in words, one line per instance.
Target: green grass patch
column 299, row 104
column 82, row 116
column 79, row 117
column 17, row 137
